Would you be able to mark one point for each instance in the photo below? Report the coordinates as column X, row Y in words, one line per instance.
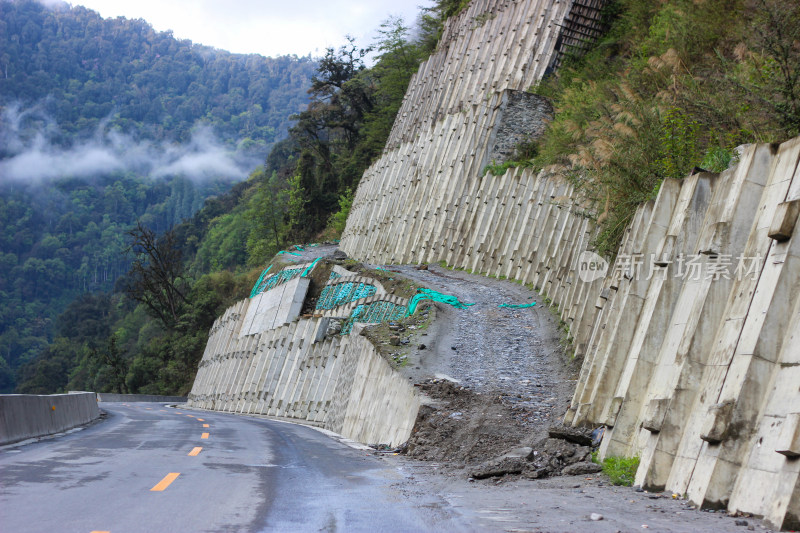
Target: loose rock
column 579, row 436
column 579, row 469
column 512, row 462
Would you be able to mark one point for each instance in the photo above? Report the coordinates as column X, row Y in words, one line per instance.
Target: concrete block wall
column 696, row 374
column 425, row 190
column 276, row 306
column 374, row 403
column 132, row 398
column 338, row 382
column 688, row 340
column 261, row 359
column 27, row 416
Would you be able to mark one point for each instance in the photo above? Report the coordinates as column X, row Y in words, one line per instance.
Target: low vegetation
column 673, row 85
column 621, row 470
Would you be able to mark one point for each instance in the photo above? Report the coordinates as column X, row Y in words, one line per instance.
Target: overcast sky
column 267, row 27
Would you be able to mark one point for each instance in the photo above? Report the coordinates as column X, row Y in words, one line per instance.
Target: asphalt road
column 152, row 468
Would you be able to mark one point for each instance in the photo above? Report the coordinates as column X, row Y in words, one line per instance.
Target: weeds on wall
column 673, row 85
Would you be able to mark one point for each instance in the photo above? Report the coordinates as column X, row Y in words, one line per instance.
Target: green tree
column 157, row 278
column 266, row 212
column 116, row 364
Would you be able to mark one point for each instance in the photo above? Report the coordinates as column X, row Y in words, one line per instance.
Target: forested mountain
column 103, row 123
column 131, row 340
column 83, row 69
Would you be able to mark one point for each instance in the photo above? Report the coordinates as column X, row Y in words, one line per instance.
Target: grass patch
column 620, row 470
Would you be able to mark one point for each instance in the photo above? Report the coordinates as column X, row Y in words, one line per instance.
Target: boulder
column 580, row 436
column 582, row 468
column 513, row 462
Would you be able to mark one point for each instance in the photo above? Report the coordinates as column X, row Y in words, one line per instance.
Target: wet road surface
column 148, row 468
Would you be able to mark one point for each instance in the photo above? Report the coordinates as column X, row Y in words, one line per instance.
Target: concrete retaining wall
column 296, row 370
column 24, row 416
column 110, row 397
column 425, row 194
column 275, row 307
column 689, row 339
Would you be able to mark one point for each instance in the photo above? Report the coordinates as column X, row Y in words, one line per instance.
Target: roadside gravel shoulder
column 564, row 504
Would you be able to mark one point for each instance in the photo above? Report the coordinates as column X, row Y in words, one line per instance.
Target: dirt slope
column 494, row 378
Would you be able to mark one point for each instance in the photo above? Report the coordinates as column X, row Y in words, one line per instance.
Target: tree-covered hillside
column 104, row 123
column 83, row 69
column 148, row 338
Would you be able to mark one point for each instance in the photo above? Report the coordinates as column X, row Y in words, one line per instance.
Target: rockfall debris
column 488, row 437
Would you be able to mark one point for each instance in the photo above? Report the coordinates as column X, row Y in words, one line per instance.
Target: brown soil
column 463, row 427
column 493, row 379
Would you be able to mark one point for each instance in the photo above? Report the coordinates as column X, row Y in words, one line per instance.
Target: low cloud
column 30, row 156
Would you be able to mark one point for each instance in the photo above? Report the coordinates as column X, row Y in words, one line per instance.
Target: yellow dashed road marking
column 196, row 450
column 164, row 483
column 205, row 425
column 204, row 436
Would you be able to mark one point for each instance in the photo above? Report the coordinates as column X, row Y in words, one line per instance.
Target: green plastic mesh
column 258, row 283
column 342, row 293
column 429, row 294
column 308, row 270
column 519, row 306
column 274, row 280
column 383, row 311
column 372, row 313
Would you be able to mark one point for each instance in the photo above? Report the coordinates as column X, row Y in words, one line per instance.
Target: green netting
column 519, row 306
column 298, row 248
column 307, row 271
column 285, row 252
column 258, row 283
column 348, row 325
column 274, row 280
column 373, row 313
column 334, row 275
column 428, row 294
column 342, row 293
